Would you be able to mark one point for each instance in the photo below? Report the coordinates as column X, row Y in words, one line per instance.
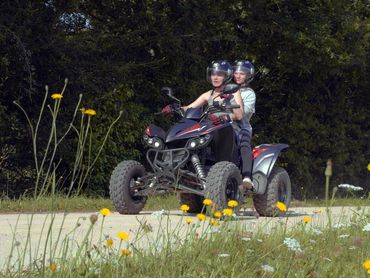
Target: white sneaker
column 246, row 185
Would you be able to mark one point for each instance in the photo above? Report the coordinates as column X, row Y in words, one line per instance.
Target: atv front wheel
column 120, row 187
column 222, row 185
column 278, row 190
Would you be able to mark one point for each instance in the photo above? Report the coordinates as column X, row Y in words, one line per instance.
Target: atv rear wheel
column 278, row 190
column 120, row 187
column 222, row 185
column 194, row 201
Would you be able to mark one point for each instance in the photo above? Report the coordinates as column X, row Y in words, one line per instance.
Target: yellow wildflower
column 368, row 166
column 56, row 96
column 82, row 110
column 213, row 222
column 188, row 220
column 109, row 242
column 217, row 214
column 89, row 112
column 53, row 267
column 105, row 212
column 366, row 264
column 281, row 206
column 201, row 216
column 122, row 235
column 227, row 211
column 184, row 208
column 207, row 202
column 306, row 219
column 125, row 252
column 232, row 203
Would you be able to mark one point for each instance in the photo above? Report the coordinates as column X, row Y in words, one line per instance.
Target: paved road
column 65, row 223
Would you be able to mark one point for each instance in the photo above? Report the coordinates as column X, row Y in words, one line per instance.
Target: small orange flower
column 184, row 208
column 281, row 206
column 53, row 267
column 122, row 235
column 188, row 220
column 56, row 96
column 213, row 222
column 217, row 214
column 227, row 211
column 366, row 264
column 125, row 252
column 89, row 112
column 306, row 219
column 105, row 212
column 207, row 202
column 232, row 203
column 109, row 242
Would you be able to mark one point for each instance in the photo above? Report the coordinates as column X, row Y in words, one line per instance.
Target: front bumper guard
column 167, row 160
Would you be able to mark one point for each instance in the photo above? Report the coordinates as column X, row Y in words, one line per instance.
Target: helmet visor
column 242, row 69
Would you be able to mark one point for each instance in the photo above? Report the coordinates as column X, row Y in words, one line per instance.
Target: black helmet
column 246, row 67
column 221, row 66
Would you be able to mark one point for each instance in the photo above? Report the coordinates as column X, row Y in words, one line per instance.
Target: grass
column 167, row 202
column 230, row 249
column 77, row 204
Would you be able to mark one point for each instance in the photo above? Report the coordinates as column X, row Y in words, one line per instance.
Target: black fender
column 264, row 158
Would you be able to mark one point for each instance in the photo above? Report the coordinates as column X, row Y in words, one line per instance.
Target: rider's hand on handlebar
column 168, row 109
column 216, row 120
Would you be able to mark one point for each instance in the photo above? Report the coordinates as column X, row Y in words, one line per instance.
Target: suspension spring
column 198, row 166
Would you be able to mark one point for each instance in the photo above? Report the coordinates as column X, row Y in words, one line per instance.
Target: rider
column 219, row 73
column 243, row 75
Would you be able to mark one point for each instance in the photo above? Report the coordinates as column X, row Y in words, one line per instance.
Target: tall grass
column 191, row 247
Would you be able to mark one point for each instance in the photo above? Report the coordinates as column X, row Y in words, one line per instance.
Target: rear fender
column 264, row 158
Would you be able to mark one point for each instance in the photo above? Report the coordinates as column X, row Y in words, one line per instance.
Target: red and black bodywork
column 181, row 157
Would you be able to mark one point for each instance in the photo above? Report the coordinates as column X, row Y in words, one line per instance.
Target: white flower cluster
column 158, row 213
column 267, row 268
column 316, row 231
column 366, row 228
column 350, row 187
column 292, row 244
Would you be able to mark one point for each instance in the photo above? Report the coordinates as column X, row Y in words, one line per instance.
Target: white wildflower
column 344, row 236
column 246, row 238
column 350, row 187
column 352, row 247
column 366, row 228
column 259, row 240
column 223, row 255
column 250, row 250
column 327, row 259
column 158, row 213
column 316, row 231
column 292, row 244
column 267, row 268
column 338, row 225
column 312, row 241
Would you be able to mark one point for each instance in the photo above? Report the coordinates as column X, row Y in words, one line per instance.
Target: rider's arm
column 249, row 100
column 199, row 102
column 238, row 113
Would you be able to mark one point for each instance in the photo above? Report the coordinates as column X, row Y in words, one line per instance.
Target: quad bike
column 199, row 158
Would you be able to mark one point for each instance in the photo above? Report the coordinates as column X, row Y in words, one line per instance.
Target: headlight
column 154, row 142
column 197, row 143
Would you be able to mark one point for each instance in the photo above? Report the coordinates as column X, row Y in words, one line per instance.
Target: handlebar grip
column 234, row 106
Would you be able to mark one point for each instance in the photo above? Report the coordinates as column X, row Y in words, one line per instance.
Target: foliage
column 312, row 82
